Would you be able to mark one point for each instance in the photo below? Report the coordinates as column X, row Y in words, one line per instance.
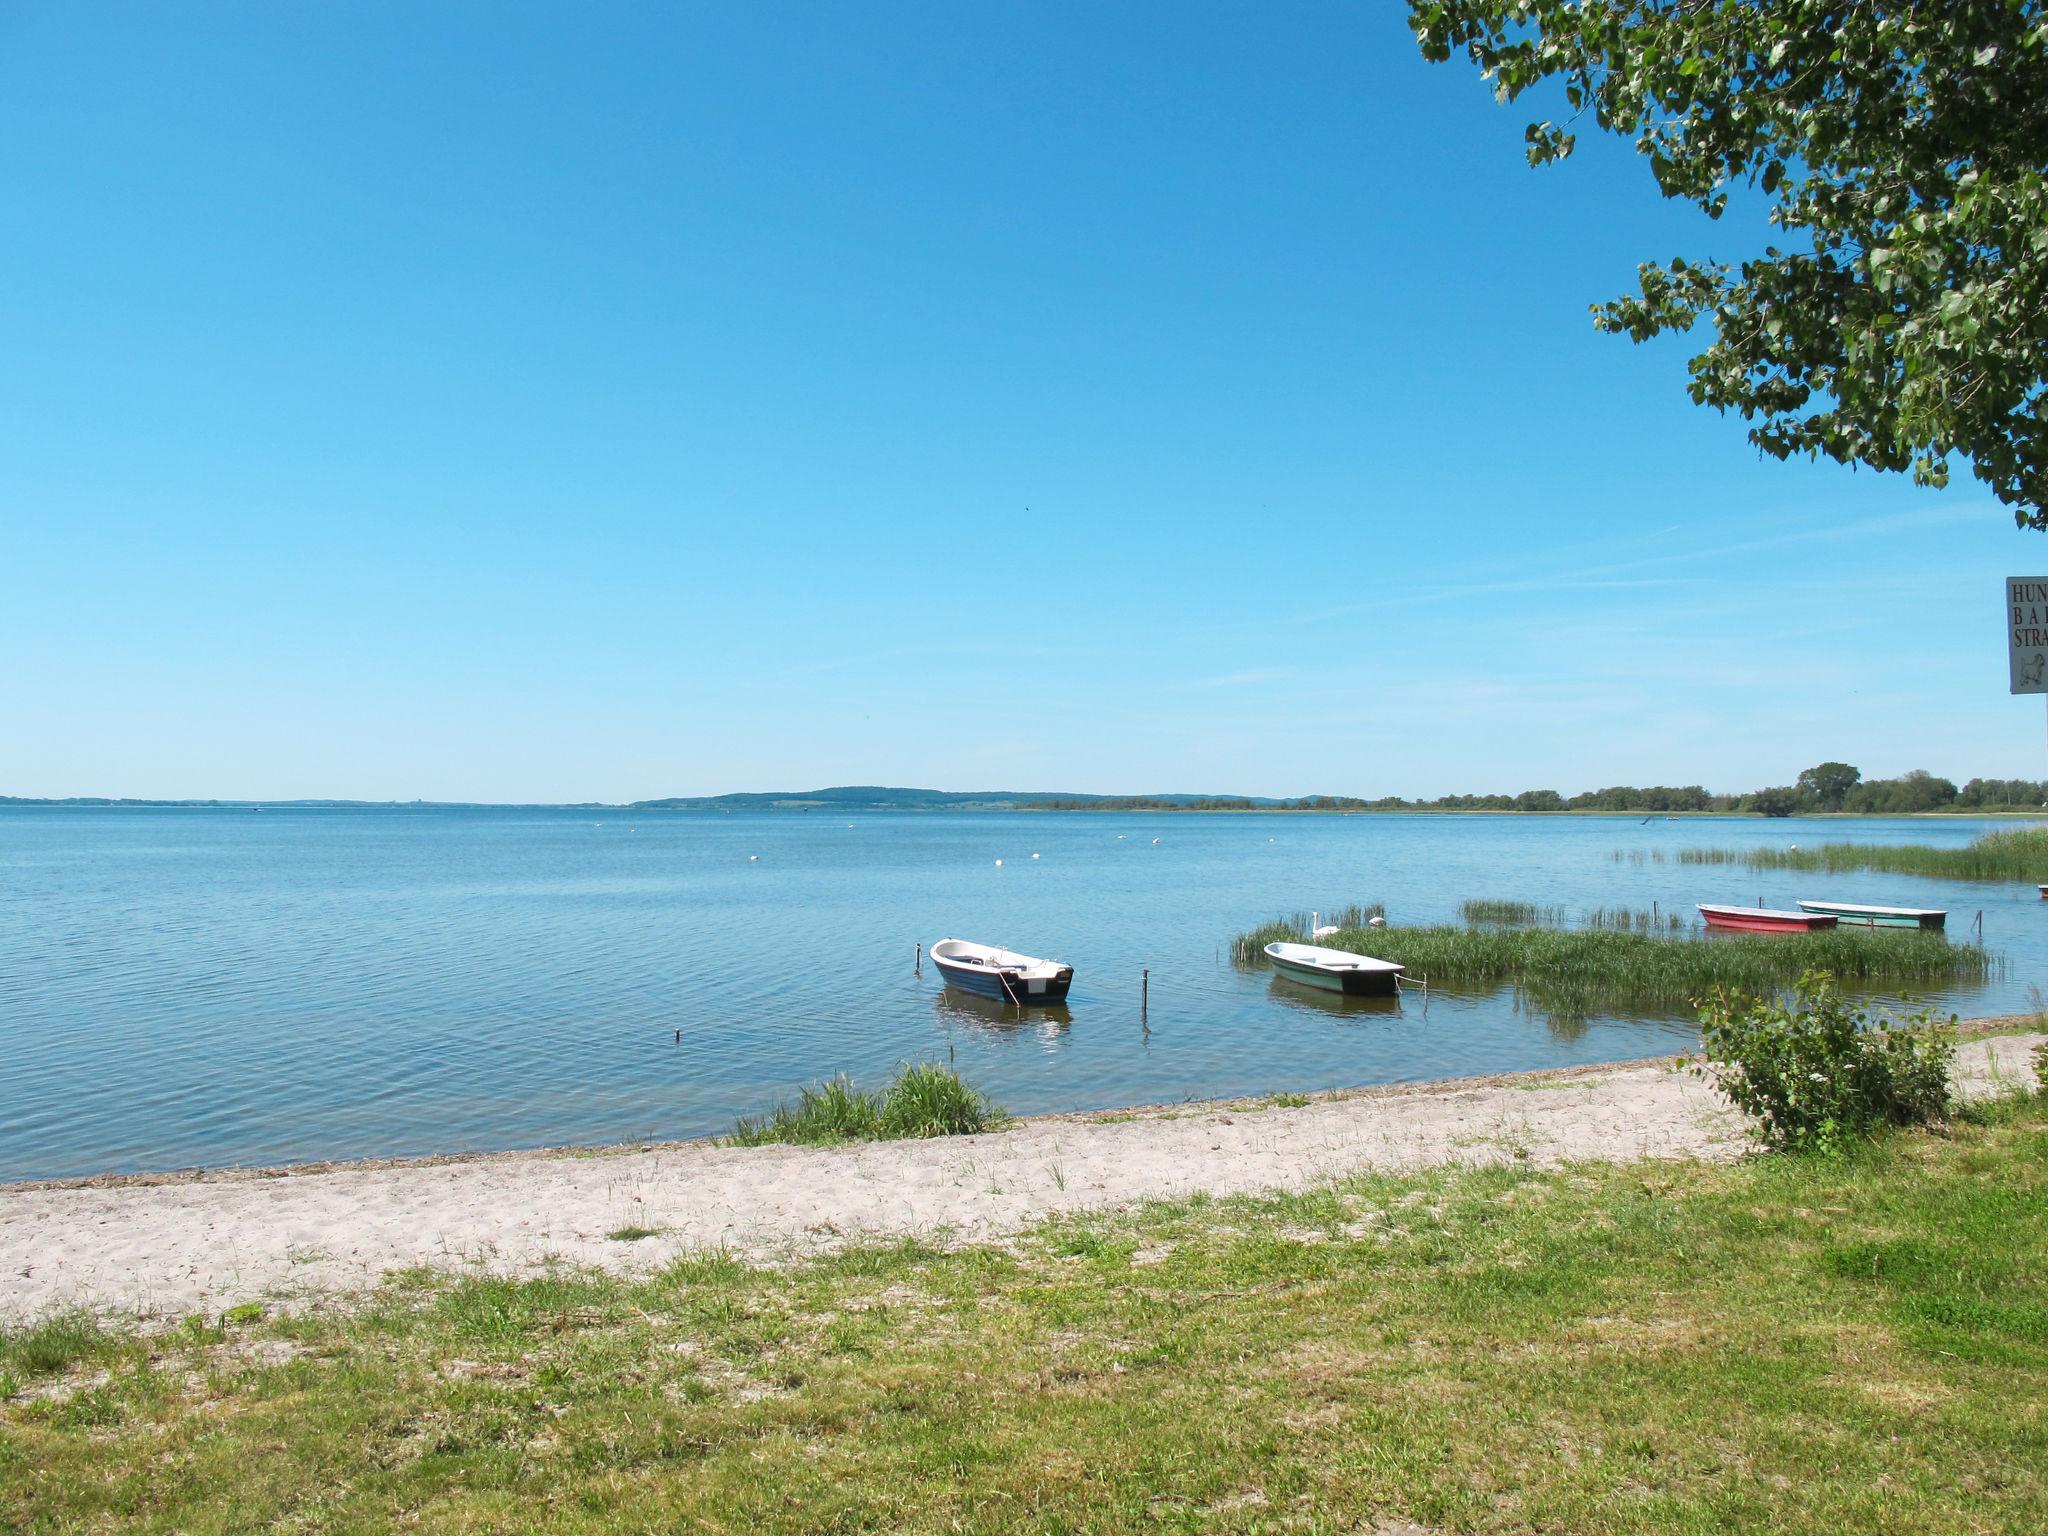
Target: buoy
column 999, row 863
column 1034, row 855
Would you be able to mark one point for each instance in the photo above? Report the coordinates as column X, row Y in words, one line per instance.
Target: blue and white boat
column 1001, row 974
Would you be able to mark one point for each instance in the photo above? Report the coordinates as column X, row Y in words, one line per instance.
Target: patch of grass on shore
column 1579, row 970
column 1784, row 1344
column 2020, row 853
column 924, row 1100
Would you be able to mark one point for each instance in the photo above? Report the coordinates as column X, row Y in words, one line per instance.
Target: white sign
column 2026, row 632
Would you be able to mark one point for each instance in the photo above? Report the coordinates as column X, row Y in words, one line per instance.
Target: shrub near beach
column 924, row 1100
column 1813, row 1071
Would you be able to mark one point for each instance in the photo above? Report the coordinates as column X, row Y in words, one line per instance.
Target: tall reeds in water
column 2018, row 853
column 1634, row 920
column 1588, row 970
column 1513, row 914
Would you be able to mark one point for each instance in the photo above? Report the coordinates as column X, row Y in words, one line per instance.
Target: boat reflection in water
column 984, row 1015
column 1315, row 1000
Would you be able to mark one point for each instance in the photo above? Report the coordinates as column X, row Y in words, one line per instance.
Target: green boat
column 1879, row 917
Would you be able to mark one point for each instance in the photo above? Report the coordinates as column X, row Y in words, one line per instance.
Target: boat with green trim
column 1879, row 917
column 1335, row 970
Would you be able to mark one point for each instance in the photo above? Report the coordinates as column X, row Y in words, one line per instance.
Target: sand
column 168, row 1246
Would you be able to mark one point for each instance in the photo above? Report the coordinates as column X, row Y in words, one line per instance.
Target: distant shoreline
column 983, row 808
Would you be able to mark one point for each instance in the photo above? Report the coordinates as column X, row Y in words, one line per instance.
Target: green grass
column 1789, row 1345
column 53, row 1344
column 2020, row 853
column 1576, row 971
column 1514, row 914
column 632, row 1234
column 924, row 1100
column 1635, row 920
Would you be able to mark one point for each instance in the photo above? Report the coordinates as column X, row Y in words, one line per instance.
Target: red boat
column 1765, row 919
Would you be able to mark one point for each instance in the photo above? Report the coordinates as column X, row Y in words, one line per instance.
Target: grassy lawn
column 1780, row 1345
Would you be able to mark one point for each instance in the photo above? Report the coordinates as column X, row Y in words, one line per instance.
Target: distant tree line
column 1824, row 787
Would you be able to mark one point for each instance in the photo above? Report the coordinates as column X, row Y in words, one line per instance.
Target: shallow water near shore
column 216, row 987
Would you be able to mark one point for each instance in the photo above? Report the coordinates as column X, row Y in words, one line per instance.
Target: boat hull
column 1349, row 983
column 1763, row 920
column 1003, row 987
column 1864, row 917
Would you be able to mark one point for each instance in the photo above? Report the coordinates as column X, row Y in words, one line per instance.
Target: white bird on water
column 753, row 858
column 1155, row 842
column 1034, row 855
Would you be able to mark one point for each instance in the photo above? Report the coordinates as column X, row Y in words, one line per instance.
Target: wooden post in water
column 918, row 963
column 1145, row 995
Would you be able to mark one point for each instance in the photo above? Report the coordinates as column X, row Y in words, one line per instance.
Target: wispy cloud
column 1243, row 678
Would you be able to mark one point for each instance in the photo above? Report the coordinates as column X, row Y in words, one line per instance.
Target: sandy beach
column 170, row 1245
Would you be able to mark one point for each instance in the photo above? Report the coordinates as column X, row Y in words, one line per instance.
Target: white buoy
column 999, row 863
column 1034, row 855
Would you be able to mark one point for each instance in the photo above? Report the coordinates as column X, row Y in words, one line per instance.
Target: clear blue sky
column 532, row 402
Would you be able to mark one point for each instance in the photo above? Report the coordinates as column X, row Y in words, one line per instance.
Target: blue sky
column 533, row 402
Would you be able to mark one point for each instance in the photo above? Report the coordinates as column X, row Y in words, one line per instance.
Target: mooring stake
column 1145, row 995
column 918, row 963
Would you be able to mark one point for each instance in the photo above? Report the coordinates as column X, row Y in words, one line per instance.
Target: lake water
column 202, row 987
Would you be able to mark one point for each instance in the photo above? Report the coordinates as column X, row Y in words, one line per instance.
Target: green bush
column 1813, row 1071
column 929, row 1100
column 924, row 1100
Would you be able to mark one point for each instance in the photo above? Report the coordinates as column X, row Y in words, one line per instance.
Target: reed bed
column 1590, row 970
column 1513, row 914
column 1296, row 927
column 2020, row 853
column 1634, row 920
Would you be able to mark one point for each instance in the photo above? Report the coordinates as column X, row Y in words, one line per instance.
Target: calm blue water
column 183, row 987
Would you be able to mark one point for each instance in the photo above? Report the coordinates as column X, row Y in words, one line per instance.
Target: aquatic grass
column 2018, row 853
column 1634, row 920
column 1787, row 1344
column 1579, row 969
column 1520, row 914
column 925, row 1099
column 1299, row 927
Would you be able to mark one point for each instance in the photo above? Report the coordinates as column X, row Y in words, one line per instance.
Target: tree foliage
column 1902, row 146
column 1829, row 784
